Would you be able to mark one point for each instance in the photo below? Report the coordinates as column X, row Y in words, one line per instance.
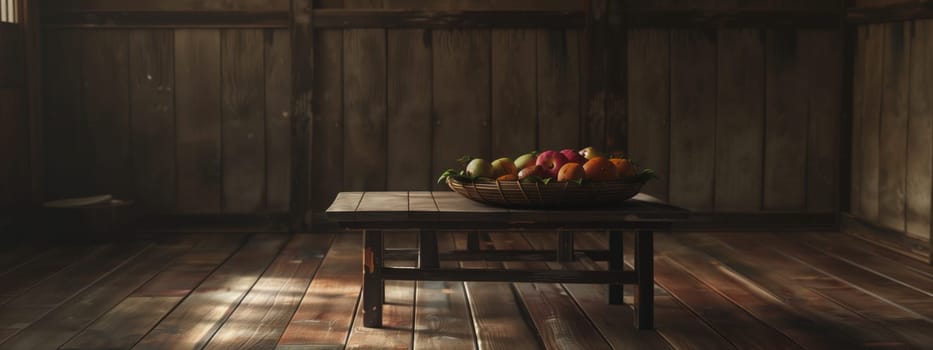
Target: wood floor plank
column 442, row 315
column 558, row 320
column 326, row 312
column 131, row 319
column 64, row 322
column 22, row 311
column 775, row 276
column 870, row 248
column 753, row 298
column 15, row 256
column 614, row 322
column 262, row 316
column 398, row 310
column 911, row 326
column 21, row 278
column 192, row 323
column 497, row 317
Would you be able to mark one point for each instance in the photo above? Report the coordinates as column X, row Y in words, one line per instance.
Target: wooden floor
column 264, row 291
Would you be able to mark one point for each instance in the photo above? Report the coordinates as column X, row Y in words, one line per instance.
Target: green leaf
column 578, row 181
column 466, row 158
column 546, row 180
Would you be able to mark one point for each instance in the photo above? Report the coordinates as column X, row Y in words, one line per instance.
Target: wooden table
column 429, row 212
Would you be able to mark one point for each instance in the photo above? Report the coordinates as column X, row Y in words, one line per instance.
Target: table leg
column 644, row 292
column 427, row 252
column 373, row 287
column 564, row 246
column 616, row 263
column 473, row 241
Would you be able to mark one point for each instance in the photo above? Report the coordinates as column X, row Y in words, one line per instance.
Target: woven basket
column 515, row 194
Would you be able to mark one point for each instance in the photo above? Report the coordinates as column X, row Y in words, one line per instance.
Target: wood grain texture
column 871, row 122
column 21, row 278
column 693, row 119
column 262, row 316
column 192, row 323
column 152, row 113
column 514, row 110
column 327, row 159
column 649, row 64
column 243, row 127
column 175, row 5
column 408, row 117
column 442, row 315
column 558, row 98
column 617, row 98
column 364, row 108
column 131, row 319
column 80, row 311
column 786, row 122
column 858, row 103
column 198, row 120
column 278, row 84
column 821, row 51
column 106, row 107
column 595, row 80
column 920, row 130
column 892, row 154
column 461, row 96
column 325, row 315
column 67, row 163
column 740, row 120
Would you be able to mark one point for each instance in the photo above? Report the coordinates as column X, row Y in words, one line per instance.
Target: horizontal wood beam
column 494, row 255
column 351, row 18
column 892, row 13
column 500, row 275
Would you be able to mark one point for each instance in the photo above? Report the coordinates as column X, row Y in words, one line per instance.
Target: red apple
column 551, row 161
column 534, row 170
column 573, row 156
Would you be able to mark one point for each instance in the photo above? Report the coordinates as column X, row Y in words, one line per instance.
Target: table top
column 359, row 209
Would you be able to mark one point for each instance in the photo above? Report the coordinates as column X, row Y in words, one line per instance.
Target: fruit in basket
column 479, row 167
column 573, row 156
column 600, row 169
column 503, row 166
column 525, row 160
column 508, row 177
column 551, row 161
column 623, row 166
column 571, row 172
column 532, row 171
column 590, row 153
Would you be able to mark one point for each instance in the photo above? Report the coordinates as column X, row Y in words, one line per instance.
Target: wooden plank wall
column 182, row 120
column 892, row 136
column 14, row 120
column 735, row 120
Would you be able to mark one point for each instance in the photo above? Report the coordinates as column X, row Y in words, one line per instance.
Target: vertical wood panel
column 871, row 121
column 278, row 78
column 693, row 118
column 858, row 104
column 785, row 123
column 106, row 107
column 409, row 109
column 364, row 108
column 740, row 120
column 650, row 107
column 616, row 80
column 461, row 96
column 514, row 108
column 242, row 83
column 152, row 113
column 14, row 175
column 821, row 51
column 327, row 133
column 558, row 88
column 892, row 155
column 596, row 64
column 65, row 136
column 198, row 118
column 920, row 131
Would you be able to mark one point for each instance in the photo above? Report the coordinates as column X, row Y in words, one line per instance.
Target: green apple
column 590, row 153
column 479, row 167
column 503, row 166
column 526, row 160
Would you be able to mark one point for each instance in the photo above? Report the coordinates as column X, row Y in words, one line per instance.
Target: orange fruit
column 600, row 169
column 507, row 177
column 624, row 166
column 571, row 172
